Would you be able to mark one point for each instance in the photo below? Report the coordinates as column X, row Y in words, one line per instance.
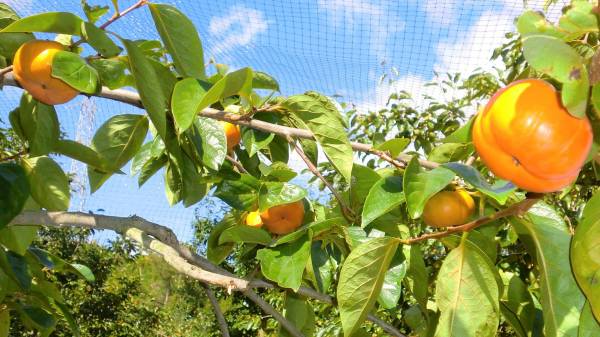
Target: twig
column 471, row 160
column 515, row 209
column 12, row 157
column 348, row 213
column 236, row 163
column 132, row 98
column 386, row 156
column 119, row 15
column 6, row 70
column 217, row 309
column 266, row 307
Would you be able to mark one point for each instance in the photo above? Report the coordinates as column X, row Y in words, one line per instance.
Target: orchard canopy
column 448, row 195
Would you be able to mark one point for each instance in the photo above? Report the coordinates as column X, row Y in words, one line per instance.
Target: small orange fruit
column 283, row 219
column 232, row 132
column 32, row 68
column 253, row 219
column 525, row 135
column 448, row 208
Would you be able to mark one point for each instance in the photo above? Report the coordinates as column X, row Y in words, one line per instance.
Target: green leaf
column 80, row 152
column 243, row 233
column 255, row 140
column 186, row 95
column 112, row 72
column 392, row 286
column 517, row 305
column 14, row 191
column 395, row 146
column 117, row 141
column 83, row 271
column 417, row 277
column 74, row 71
column 300, row 313
column 99, row 40
column 48, row 183
column 150, row 167
column 261, row 80
column 19, row 269
column 532, row 23
column 18, row 238
column 50, row 22
column 499, row 191
column 462, row 135
column 363, row 179
column 327, row 129
column 212, row 143
column 40, row 317
column 321, row 267
column 10, row 42
column 584, row 253
column 4, row 322
column 467, row 294
column 273, row 194
column 240, row 193
column 574, row 95
column 580, row 19
column 154, row 99
column 385, row 195
column 361, row 278
column 38, row 123
column 285, row 263
column 93, row 13
column 450, row 152
column 546, row 238
column 238, row 82
column 279, row 150
column 216, row 253
column 277, row 171
column 420, row 185
column 180, row 38
column 588, row 326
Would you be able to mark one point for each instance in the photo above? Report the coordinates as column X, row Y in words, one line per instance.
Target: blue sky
column 339, row 47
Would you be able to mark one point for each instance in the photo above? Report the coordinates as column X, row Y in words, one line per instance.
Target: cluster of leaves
column 514, row 273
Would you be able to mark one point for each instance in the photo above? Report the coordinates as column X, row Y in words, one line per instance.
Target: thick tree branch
column 165, row 243
column 217, row 309
column 516, row 209
column 132, row 98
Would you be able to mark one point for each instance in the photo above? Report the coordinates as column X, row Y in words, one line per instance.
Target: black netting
column 338, row 47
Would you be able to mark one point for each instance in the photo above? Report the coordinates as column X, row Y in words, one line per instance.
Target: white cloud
column 349, row 14
column 238, row 28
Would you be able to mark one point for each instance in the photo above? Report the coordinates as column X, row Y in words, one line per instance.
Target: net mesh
column 338, row 47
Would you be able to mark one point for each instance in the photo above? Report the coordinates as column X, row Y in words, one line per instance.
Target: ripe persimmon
column 32, row 67
column 448, row 208
column 253, row 219
column 283, row 219
column 232, row 132
column 525, row 135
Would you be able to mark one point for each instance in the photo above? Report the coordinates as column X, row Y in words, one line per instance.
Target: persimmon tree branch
column 132, row 98
column 119, row 15
column 518, row 208
column 236, row 163
column 217, row 310
column 348, row 214
column 162, row 240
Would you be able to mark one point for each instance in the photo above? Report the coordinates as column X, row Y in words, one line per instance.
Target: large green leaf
column 499, row 191
column 394, row 146
column 255, row 140
column 585, row 253
column 18, row 238
column 300, row 312
column 532, row 23
column 417, row 277
column 363, row 179
column 48, row 183
column 212, row 143
column 467, row 294
column 215, row 252
column 112, row 72
column 285, row 263
column 80, row 153
column 10, row 42
column 117, row 141
column 321, row 267
column 273, row 194
column 327, row 129
column 517, row 305
column 392, row 286
column 154, row 99
column 450, row 152
column 261, row 80
column 50, row 22
column 99, row 40
column 420, row 185
column 74, row 71
column 180, row 38
column 580, row 19
column 546, row 238
column 588, row 326
column 38, row 123
column 238, row 82
column 14, row 191
column 361, row 278
column 243, row 233
column 240, row 193
column 385, row 195
column 186, row 95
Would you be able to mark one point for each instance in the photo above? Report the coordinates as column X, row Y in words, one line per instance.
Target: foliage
column 366, row 246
